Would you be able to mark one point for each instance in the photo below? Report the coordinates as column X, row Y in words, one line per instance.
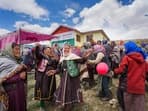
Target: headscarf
column 87, row 45
column 7, row 51
column 8, row 62
column 104, row 42
column 99, row 48
column 69, row 56
column 131, row 46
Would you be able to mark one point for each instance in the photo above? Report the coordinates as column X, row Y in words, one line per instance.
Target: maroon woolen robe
column 15, row 88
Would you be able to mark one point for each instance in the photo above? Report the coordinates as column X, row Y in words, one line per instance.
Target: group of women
column 13, row 73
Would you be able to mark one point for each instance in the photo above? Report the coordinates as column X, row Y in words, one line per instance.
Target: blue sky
column 55, row 12
column 115, row 17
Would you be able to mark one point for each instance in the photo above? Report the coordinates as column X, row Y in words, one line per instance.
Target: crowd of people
column 76, row 67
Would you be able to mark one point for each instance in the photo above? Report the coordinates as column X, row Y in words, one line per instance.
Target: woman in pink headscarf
column 100, row 54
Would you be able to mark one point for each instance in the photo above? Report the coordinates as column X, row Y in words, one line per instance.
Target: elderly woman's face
column 16, row 51
column 66, row 49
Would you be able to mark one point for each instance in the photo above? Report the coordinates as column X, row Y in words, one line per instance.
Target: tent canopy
column 23, row 37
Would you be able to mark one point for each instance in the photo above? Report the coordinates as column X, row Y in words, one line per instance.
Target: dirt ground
column 91, row 102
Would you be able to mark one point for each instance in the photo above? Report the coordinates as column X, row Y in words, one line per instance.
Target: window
column 89, row 37
column 78, row 39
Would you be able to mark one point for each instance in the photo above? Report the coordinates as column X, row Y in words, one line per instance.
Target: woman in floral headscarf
column 103, row 91
column 69, row 91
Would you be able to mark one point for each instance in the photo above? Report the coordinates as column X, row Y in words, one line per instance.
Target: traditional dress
column 14, row 86
column 69, row 91
column 45, row 85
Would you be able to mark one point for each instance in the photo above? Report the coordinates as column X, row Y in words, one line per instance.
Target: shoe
column 113, row 101
column 105, row 99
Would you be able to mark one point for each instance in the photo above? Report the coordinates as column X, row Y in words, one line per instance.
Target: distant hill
column 136, row 40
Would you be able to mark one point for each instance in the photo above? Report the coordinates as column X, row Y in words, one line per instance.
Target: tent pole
column 19, row 37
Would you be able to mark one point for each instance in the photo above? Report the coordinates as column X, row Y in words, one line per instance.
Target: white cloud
column 75, row 20
column 36, row 27
column 119, row 22
column 3, row 31
column 69, row 12
column 28, row 7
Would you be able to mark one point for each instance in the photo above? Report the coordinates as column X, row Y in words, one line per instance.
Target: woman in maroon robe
column 15, row 85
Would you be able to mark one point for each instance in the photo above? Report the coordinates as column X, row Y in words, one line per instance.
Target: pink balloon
column 102, row 68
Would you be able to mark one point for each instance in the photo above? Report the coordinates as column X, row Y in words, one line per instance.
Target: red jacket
column 136, row 74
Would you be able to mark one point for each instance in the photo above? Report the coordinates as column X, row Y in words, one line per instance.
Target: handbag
column 72, row 68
